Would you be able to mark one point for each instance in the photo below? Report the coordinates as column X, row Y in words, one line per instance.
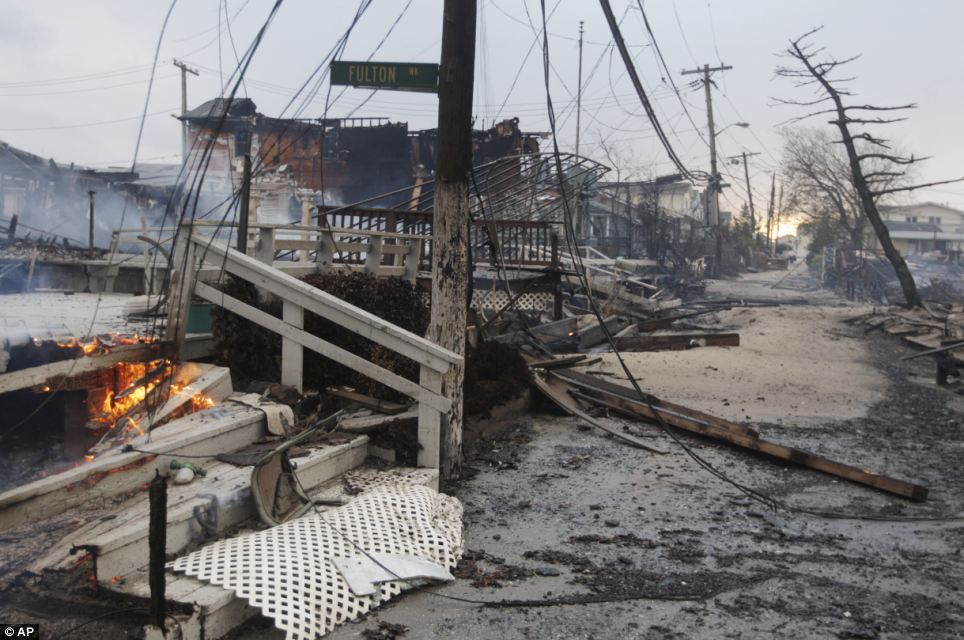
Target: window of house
column 934, row 220
column 910, row 218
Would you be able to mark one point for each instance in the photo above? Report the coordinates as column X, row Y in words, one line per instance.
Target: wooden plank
column 350, row 360
column 668, row 410
column 34, row 376
column 931, row 352
column 367, row 424
column 901, row 488
column 557, row 391
column 677, row 341
column 375, row 404
column 562, row 361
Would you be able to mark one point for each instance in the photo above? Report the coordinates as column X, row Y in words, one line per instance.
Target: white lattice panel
column 489, row 299
column 287, row 572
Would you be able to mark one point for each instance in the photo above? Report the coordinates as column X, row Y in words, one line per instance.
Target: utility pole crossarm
column 184, row 71
column 706, row 68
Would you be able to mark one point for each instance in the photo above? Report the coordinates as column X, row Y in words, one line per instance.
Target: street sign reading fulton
column 400, row 76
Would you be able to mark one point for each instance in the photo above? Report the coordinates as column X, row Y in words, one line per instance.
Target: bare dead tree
column 813, row 68
column 820, row 184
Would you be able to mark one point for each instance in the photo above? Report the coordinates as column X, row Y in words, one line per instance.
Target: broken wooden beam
column 669, row 411
column 562, row 361
column 558, row 394
column 676, row 341
column 645, row 409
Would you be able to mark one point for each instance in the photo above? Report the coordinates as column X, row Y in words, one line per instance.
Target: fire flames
column 122, row 400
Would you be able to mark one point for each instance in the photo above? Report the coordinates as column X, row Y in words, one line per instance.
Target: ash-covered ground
column 559, row 511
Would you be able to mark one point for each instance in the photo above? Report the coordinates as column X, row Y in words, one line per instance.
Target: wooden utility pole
column 706, row 71
column 579, row 202
column 450, row 228
column 749, row 191
column 184, row 71
column 90, row 219
column 773, row 195
column 579, row 91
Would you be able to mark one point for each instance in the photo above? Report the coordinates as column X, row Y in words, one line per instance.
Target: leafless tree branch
column 917, row 186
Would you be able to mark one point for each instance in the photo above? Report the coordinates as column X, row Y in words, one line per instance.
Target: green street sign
column 398, row 76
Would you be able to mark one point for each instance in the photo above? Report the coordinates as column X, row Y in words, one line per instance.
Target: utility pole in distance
column 579, row 203
column 749, row 192
column 450, row 226
column 184, row 71
column 705, row 71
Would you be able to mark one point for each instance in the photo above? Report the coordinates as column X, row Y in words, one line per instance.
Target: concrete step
column 217, row 611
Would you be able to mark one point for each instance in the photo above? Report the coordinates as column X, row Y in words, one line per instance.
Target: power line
column 627, row 60
column 86, row 124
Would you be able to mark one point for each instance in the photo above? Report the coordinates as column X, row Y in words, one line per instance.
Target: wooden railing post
column 146, row 255
column 373, row 256
column 414, row 249
column 265, row 250
column 429, row 421
column 326, row 251
column 181, row 288
column 292, row 353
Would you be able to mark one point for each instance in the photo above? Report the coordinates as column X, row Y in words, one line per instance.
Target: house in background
column 636, row 218
column 921, row 228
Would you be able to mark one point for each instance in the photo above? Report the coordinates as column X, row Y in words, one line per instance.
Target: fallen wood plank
column 367, row 424
column 668, row 410
column 677, row 342
column 931, row 352
column 654, row 324
column 561, row 361
column 559, row 395
column 813, row 461
column 367, row 401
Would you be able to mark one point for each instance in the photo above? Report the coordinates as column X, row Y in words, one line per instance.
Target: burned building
column 346, row 159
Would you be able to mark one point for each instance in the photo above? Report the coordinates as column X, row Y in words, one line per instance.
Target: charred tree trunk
column 819, row 72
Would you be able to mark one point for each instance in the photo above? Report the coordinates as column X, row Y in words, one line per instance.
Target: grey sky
column 70, row 63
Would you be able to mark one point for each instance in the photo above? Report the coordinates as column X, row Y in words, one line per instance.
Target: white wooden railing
column 196, row 254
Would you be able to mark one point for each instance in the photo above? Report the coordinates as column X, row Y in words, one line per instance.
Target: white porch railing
column 196, row 254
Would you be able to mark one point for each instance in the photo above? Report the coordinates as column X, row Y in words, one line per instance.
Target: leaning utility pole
column 749, row 192
column 184, row 71
column 706, row 70
column 450, row 226
column 579, row 91
column 579, row 203
column 773, row 195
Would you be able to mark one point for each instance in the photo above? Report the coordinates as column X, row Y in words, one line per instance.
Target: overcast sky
column 74, row 77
